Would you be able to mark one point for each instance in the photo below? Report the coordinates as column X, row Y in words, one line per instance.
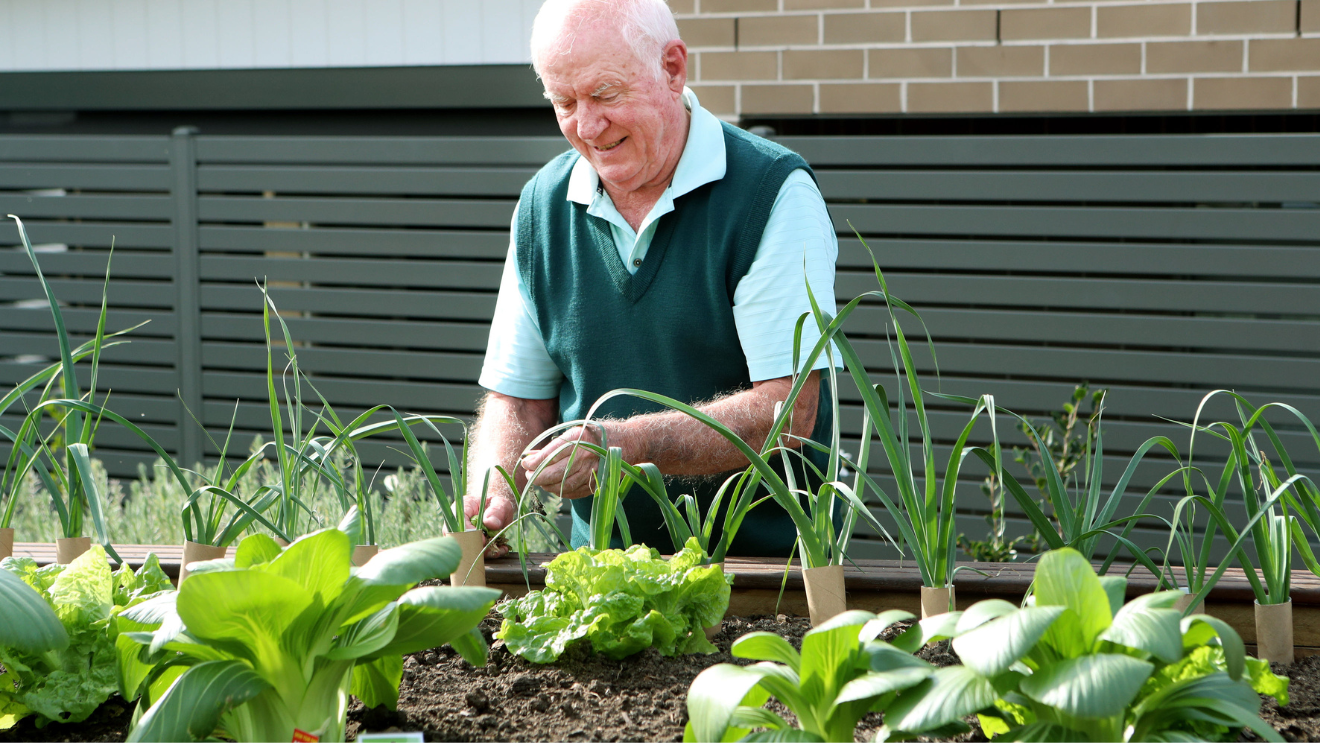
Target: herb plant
column 842, row 673
column 273, row 640
column 1076, row 664
column 621, row 601
column 55, row 643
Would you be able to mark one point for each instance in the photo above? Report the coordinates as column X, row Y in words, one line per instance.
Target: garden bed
column 872, row 585
column 586, row 697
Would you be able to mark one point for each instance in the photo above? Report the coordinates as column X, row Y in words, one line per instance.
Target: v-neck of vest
column 631, row 286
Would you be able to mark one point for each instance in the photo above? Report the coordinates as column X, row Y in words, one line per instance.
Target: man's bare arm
column 679, row 444
column 504, row 427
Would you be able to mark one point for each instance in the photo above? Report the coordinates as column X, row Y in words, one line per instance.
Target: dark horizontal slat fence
column 1160, row 267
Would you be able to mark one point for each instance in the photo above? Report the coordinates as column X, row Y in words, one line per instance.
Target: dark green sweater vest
column 669, row 327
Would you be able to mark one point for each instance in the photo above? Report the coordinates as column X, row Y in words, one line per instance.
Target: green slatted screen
column 1159, row 267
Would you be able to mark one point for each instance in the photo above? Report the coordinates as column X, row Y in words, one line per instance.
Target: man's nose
column 591, row 122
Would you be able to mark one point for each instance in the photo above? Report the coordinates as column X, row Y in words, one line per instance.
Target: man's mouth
column 610, row 146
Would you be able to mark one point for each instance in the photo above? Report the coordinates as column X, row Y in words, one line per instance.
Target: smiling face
column 629, row 123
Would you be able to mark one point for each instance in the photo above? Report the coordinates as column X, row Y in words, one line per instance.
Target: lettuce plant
column 1076, row 664
column 55, row 641
column 622, row 601
column 272, row 642
column 842, row 673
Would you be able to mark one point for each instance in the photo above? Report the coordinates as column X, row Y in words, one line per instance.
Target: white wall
column 228, row 34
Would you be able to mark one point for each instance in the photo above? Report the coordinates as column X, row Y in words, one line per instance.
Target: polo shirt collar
column 702, row 162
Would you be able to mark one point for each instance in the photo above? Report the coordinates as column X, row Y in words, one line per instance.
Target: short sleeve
column 517, row 363
column 797, row 247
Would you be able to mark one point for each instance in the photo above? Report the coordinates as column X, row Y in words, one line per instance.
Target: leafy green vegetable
column 622, row 601
column 252, row 648
column 841, row 674
column 1073, row 665
column 65, row 682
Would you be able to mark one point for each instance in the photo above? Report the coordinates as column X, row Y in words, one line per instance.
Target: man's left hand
column 569, row 481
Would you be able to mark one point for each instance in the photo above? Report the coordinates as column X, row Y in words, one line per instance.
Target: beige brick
column 739, row 65
column 683, row 7
column 1045, row 23
column 706, row 32
column 1165, row 19
column 865, row 28
column 1095, row 59
column 717, row 99
column 1310, row 20
column 778, row 30
column 943, row 98
column 861, row 98
column 907, row 3
column 953, row 25
column 739, row 6
column 776, row 99
column 1000, row 2
column 1247, row 17
column 1160, row 94
column 1001, row 61
column 1215, row 94
column 824, row 64
column 1283, row 55
column 1193, row 56
column 1308, row 92
column 1043, row 95
column 919, row 62
column 822, row 4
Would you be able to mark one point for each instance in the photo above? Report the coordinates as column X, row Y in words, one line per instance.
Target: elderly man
column 664, row 252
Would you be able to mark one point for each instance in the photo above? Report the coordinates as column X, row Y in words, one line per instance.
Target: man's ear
column 673, row 60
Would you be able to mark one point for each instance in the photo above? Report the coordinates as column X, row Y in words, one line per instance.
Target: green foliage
column 841, row 674
column 1056, row 442
column 273, row 640
column 55, row 643
column 1075, row 664
column 622, row 601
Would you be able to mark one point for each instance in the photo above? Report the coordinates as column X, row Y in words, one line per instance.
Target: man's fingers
column 500, row 510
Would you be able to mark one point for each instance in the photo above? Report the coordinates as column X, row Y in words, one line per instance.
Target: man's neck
column 634, row 205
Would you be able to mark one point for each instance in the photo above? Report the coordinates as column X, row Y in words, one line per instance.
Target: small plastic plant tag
column 400, row 736
column 299, row 736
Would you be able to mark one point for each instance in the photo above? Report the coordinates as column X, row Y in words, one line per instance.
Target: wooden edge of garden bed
column 871, row 585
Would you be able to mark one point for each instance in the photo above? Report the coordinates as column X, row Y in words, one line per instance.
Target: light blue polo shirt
column 797, row 246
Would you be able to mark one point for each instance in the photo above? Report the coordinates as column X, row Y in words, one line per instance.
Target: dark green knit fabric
column 669, row 327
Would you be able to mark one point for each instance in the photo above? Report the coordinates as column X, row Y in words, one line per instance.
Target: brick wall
column 754, row 57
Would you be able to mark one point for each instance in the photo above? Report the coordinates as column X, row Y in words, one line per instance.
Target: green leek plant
column 273, row 641
column 1077, row 664
column 67, row 475
column 1276, row 506
column 842, row 673
column 926, row 517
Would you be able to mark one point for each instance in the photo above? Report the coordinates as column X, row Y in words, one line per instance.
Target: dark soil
column 1299, row 720
column 583, row 697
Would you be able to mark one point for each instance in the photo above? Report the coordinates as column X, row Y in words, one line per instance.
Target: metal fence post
column 187, row 309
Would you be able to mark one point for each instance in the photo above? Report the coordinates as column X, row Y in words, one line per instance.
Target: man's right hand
column 500, row 513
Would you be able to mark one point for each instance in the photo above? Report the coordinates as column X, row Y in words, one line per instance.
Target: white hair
column 646, row 26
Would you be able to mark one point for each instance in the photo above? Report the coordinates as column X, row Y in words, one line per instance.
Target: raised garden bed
column 872, row 585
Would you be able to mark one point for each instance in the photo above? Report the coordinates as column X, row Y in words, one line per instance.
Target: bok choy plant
column 1077, row 664
column 842, row 673
column 271, row 642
